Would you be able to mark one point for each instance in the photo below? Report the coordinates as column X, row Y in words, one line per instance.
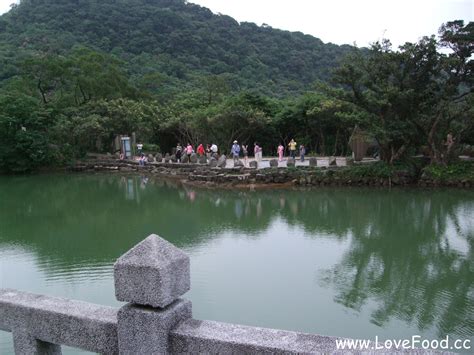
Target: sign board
column 126, row 147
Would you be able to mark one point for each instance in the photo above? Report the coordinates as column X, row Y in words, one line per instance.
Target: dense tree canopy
column 182, row 42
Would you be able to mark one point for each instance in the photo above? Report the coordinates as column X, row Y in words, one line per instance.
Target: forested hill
column 178, row 42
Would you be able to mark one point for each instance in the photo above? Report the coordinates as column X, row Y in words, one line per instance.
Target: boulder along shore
column 217, row 174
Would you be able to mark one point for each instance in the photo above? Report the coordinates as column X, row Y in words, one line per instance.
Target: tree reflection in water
column 410, row 250
column 414, row 257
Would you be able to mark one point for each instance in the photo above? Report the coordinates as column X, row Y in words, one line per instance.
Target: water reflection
column 406, row 254
column 416, row 261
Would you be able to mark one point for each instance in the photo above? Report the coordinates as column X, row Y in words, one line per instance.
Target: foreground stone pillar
column 145, row 330
column 151, row 277
column 26, row 344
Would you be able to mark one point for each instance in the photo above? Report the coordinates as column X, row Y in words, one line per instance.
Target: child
column 302, row 152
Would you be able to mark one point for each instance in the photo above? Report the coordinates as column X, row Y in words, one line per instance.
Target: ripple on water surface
column 348, row 262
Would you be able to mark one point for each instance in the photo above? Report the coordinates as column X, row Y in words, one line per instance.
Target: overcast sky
column 344, row 21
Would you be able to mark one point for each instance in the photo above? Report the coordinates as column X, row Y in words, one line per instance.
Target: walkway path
column 265, row 163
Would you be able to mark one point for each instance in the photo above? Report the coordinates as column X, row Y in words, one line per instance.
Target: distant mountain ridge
column 183, row 42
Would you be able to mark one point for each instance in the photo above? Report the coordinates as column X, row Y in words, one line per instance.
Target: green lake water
column 345, row 262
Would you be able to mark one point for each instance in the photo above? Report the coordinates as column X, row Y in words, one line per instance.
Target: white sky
column 344, row 21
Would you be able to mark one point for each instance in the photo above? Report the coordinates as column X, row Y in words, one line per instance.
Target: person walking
column 245, row 152
column 139, row 149
column 258, row 151
column 189, row 150
column 302, row 152
column 292, row 146
column 200, row 150
column 214, row 150
column 235, row 151
column 179, row 152
column 280, row 151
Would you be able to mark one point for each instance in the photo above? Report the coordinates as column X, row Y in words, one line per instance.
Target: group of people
column 292, row 147
column 237, row 150
column 258, row 151
column 212, row 150
column 209, row 151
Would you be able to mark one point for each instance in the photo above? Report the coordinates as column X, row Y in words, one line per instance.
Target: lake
column 336, row 261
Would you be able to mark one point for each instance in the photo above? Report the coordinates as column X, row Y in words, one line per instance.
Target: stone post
column 151, row 277
column 25, row 344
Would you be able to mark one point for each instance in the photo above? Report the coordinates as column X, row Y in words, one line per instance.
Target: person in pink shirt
column 258, row 152
column 189, row 150
column 281, row 149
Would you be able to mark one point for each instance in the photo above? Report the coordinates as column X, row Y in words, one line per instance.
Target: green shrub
column 375, row 170
column 151, row 148
column 463, row 170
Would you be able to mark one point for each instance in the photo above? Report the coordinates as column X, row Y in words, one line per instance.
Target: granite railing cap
column 153, row 273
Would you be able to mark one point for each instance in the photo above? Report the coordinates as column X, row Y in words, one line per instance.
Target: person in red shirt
column 200, row 150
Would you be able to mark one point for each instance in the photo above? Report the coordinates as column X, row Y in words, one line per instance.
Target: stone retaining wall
column 299, row 176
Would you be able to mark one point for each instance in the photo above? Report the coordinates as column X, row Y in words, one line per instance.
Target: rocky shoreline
column 311, row 176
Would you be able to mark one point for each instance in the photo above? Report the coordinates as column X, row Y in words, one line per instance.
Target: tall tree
column 414, row 96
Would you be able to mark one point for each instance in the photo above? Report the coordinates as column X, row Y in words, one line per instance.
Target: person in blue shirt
column 235, row 151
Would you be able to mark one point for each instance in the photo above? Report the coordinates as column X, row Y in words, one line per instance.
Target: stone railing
column 151, row 277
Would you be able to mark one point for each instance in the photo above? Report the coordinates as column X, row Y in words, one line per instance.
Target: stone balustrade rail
column 151, row 277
